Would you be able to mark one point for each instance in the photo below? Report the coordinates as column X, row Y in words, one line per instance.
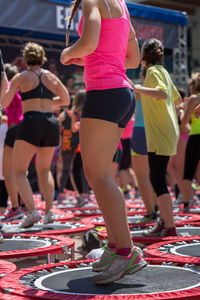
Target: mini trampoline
column 26, row 245
column 60, row 216
column 186, row 250
column 55, row 228
column 74, row 281
column 137, row 237
column 180, row 219
column 6, row 268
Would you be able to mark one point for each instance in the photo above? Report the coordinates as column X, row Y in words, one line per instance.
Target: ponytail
column 75, row 7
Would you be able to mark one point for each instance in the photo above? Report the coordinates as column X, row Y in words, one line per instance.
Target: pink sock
column 111, row 245
column 123, row 251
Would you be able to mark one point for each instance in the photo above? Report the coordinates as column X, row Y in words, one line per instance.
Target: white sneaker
column 1, row 238
column 31, row 219
column 49, row 217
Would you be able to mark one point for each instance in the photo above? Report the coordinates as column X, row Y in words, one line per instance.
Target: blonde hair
column 34, row 54
column 195, row 82
column 74, row 9
column 78, row 100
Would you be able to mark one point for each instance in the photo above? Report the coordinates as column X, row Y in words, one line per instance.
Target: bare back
column 110, row 9
column 28, row 81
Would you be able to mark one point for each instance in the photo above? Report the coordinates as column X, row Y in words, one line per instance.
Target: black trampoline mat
column 22, row 244
column 152, row 279
column 191, row 250
column 39, row 227
column 182, row 231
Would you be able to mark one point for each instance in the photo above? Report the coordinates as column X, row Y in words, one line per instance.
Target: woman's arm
column 3, row 86
column 74, row 124
column 90, row 33
column 193, row 102
column 150, row 92
column 133, row 53
column 11, row 91
column 63, row 98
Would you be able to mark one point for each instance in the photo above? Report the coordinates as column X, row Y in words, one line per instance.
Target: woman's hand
column 137, row 88
column 64, row 57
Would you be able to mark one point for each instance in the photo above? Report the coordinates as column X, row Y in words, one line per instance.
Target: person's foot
column 13, row 215
column 49, row 217
column 168, row 232
column 24, row 209
column 31, row 219
column 121, row 266
column 148, row 218
column 1, row 238
column 155, row 230
column 81, row 201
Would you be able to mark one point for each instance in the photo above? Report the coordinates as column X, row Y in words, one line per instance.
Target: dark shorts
column 192, row 156
column 39, row 129
column 138, row 141
column 11, row 136
column 113, row 105
column 117, row 156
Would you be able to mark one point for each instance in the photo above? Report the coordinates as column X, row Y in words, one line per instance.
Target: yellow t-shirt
column 161, row 125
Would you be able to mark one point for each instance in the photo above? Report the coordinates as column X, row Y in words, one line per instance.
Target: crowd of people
column 112, row 137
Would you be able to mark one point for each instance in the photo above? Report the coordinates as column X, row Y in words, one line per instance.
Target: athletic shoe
column 168, row 232
column 1, row 238
column 14, row 215
column 194, row 201
column 147, row 218
column 24, row 209
column 31, row 219
column 155, row 230
column 49, row 217
column 121, row 266
column 107, row 257
column 81, row 201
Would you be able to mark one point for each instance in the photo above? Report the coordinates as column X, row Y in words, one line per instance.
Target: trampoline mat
column 80, row 281
column 22, row 244
column 40, row 227
column 182, row 231
column 191, row 250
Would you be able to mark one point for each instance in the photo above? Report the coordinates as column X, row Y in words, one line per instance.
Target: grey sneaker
column 155, row 230
column 49, row 217
column 107, row 257
column 31, row 219
column 104, row 261
column 121, row 266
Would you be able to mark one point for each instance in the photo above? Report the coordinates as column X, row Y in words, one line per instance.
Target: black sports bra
column 40, row 91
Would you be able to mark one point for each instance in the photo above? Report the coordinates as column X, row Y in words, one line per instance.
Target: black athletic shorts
column 113, row 105
column 39, row 129
column 11, row 136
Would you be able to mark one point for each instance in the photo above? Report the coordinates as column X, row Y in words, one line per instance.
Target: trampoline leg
column 72, row 253
column 48, row 258
column 56, row 258
column 101, row 243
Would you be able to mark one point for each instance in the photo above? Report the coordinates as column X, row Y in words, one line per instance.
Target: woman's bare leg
column 9, row 176
column 22, row 155
column 141, row 167
column 99, row 140
column 43, row 165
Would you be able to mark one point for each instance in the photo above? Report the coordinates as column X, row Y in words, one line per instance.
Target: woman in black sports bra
column 39, row 131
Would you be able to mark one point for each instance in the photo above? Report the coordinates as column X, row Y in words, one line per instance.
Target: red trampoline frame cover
column 53, row 249
column 7, row 267
column 153, row 251
column 18, row 288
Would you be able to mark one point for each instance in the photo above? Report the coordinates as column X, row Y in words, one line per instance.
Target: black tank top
column 40, row 91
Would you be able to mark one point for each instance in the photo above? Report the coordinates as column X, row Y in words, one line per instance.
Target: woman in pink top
column 106, row 47
column 15, row 116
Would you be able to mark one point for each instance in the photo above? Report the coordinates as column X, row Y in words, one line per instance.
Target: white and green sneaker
column 121, row 266
column 105, row 260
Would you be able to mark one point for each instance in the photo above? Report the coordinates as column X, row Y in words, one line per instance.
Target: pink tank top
column 104, row 68
column 14, row 110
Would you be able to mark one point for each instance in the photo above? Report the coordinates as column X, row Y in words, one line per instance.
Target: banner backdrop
column 50, row 19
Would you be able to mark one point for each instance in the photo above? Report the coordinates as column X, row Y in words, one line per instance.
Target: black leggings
column 158, row 170
column 192, row 156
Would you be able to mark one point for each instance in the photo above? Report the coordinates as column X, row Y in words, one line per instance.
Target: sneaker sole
column 31, row 224
column 150, row 234
column 50, row 221
column 142, row 264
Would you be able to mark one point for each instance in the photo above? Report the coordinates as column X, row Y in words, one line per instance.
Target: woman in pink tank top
column 106, row 48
